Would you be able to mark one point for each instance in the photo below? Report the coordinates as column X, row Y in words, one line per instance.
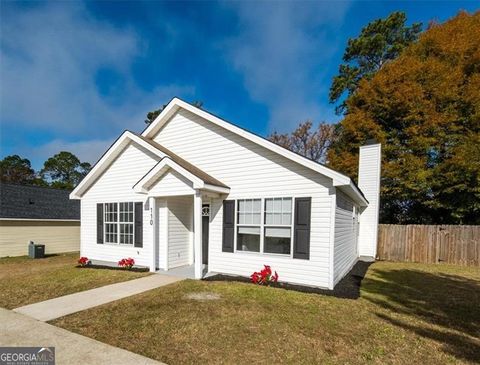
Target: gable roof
column 342, row 181
column 166, row 163
column 163, row 153
column 206, row 178
column 36, row 202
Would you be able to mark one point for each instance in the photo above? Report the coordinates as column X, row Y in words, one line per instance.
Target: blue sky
column 74, row 75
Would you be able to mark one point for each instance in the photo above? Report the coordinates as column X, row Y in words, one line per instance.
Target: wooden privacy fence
column 459, row 245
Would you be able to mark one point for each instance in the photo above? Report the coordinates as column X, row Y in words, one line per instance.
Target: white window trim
column 105, row 223
column 132, row 223
column 259, row 225
column 118, row 225
column 263, row 225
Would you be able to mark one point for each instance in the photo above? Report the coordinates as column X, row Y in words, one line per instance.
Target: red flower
column 275, row 277
column 255, row 278
column 264, row 277
column 126, row 263
column 83, row 261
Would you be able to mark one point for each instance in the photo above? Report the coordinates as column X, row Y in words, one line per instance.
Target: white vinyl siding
column 180, row 228
column 115, row 185
column 369, row 183
column 171, row 184
column 252, row 171
column 345, row 244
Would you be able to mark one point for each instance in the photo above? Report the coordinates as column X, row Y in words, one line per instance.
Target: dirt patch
column 203, row 296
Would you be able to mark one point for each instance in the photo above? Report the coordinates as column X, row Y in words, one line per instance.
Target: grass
column 25, row 281
column 406, row 313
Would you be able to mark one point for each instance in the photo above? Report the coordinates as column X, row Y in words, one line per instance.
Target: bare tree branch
column 308, row 143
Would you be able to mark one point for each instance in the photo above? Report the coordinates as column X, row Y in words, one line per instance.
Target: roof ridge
column 254, row 134
column 35, row 186
column 175, row 104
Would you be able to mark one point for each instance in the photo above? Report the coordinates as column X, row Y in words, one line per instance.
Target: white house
column 193, row 189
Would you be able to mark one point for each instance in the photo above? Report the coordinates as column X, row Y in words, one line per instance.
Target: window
column 278, row 225
column 119, row 223
column 248, row 225
column 126, row 223
column 111, row 217
column 264, row 225
column 278, row 211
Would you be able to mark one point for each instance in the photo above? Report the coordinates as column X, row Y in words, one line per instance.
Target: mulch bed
column 103, row 267
column 347, row 288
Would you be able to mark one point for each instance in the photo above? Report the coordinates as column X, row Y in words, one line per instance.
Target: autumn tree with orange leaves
column 424, row 107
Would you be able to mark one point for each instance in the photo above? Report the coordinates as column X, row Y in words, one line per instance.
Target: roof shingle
column 37, row 202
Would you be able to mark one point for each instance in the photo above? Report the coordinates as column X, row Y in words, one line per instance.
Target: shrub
column 264, row 276
column 84, row 261
column 126, row 263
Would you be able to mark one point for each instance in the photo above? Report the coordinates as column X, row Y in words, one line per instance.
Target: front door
column 205, row 226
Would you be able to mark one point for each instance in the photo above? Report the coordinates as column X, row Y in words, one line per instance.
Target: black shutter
column 100, row 223
column 138, row 224
column 301, row 237
column 228, row 225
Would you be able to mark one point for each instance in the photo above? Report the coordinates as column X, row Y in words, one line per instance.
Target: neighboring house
column 40, row 214
column 193, row 189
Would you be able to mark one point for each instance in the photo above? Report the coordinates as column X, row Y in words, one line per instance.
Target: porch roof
column 168, row 159
column 202, row 175
column 171, row 161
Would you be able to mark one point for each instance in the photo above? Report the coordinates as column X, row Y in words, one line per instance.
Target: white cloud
column 51, row 54
column 86, row 151
column 278, row 51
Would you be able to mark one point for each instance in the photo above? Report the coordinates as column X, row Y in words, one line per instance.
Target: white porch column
column 197, row 234
column 153, row 219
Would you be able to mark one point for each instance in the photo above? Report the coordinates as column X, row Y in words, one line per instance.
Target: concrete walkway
column 68, row 304
column 70, row 348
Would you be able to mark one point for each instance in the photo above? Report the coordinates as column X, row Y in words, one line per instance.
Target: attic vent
column 30, row 201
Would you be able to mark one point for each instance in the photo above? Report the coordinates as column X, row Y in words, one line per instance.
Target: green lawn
column 407, row 313
column 25, row 281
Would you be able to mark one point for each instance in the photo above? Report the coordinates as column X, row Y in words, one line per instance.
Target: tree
column 15, row 169
column 379, row 42
column 64, row 170
column 424, row 107
column 308, row 143
column 151, row 116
